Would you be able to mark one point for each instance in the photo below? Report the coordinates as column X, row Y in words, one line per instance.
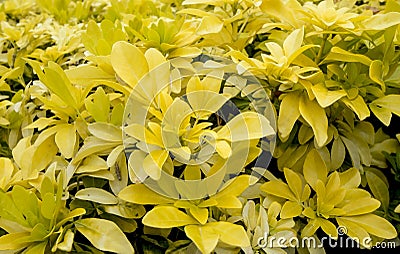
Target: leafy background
column 329, row 67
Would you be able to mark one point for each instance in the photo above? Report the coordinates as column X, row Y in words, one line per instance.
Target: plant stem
column 321, row 49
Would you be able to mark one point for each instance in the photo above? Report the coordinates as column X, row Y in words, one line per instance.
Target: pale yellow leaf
column 128, row 62
column 104, row 235
column 65, row 139
column 167, row 217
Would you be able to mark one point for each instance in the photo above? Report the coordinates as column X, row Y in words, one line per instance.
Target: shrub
column 148, row 125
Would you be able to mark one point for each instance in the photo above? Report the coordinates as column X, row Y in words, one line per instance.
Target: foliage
column 69, row 181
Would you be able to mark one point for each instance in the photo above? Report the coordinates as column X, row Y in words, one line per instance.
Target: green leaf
column 104, row 235
column 167, row 217
column 379, row 189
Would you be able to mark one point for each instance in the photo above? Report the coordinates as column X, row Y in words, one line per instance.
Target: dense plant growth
column 73, row 159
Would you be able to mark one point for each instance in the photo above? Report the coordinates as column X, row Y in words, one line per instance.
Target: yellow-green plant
column 101, row 101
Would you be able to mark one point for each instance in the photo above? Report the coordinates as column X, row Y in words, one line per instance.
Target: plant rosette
column 191, row 125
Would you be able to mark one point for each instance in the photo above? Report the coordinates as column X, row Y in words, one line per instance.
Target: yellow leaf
column 279, row 189
column 6, row 172
column 376, row 73
column 210, row 25
column 291, row 209
column 350, row 178
column 383, row 114
column 361, row 206
column 66, row 139
column 14, row 241
column 223, row 149
column 354, row 230
column 203, row 236
column 228, row 201
column 154, row 58
column 328, row 227
column 315, row 116
column 314, row 169
column 128, row 62
column 57, row 81
column 66, row 244
column 374, row 225
column 293, row 41
column 141, row 194
column 288, row 114
column 285, row 11
column 358, row 106
column 310, row 228
column 38, row 157
column 230, row 233
column 92, row 163
column 104, row 235
column 200, row 214
column 96, row 195
column 143, row 134
column 246, row 126
column 326, row 97
column 234, row 187
column 154, row 162
column 83, row 74
column 387, row 103
column 167, row 217
column 341, row 55
column 381, row 21
column 106, row 132
column 338, row 153
column 294, row 181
